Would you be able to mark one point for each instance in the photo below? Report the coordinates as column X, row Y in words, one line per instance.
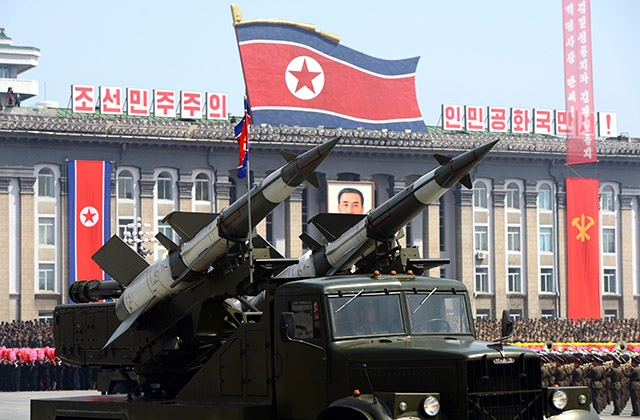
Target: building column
column 147, row 210
column 221, row 191
column 64, row 226
column 531, row 252
column 561, row 251
column 28, row 272
column 498, row 249
column 293, row 223
column 398, row 186
column 261, row 227
column 5, row 276
column 626, row 253
column 430, row 235
column 464, row 237
column 185, row 193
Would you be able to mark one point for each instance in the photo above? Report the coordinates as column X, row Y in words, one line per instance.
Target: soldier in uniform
column 597, row 376
column 578, row 375
column 616, row 383
column 633, row 373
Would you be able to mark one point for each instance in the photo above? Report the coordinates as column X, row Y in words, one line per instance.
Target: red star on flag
column 305, row 77
column 89, row 215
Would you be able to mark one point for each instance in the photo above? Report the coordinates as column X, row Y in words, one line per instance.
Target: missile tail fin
column 441, row 158
column 313, row 180
column 127, row 323
column 187, row 224
column 166, row 242
column 466, row 181
column 288, row 156
column 119, row 261
column 311, row 243
column 332, row 225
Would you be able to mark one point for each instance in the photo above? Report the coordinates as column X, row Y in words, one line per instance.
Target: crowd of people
column 28, row 361
column 563, row 330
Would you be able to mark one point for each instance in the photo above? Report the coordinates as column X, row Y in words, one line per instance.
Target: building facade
column 506, row 238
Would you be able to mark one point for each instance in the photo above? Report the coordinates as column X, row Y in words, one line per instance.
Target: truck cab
column 394, row 346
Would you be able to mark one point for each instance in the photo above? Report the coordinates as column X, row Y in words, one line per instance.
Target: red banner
column 578, row 81
column 89, row 216
column 583, row 249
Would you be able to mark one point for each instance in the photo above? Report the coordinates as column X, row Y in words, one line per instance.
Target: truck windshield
column 440, row 313
column 366, row 315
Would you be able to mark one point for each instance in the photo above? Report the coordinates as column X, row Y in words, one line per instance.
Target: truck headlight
column 430, row 406
column 559, row 399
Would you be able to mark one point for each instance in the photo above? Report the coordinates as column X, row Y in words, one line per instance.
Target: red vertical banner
column 583, row 248
column 578, row 81
column 89, row 216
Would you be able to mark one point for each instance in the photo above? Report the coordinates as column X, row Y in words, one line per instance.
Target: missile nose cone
column 296, row 171
column 459, row 167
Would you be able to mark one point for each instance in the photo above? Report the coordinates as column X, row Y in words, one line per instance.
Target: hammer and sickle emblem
column 583, row 226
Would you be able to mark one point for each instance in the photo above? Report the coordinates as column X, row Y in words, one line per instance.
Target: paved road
column 15, row 405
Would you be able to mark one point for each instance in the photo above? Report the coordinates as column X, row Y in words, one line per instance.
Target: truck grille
column 504, row 391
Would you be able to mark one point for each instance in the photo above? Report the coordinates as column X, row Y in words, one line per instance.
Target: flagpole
column 249, row 219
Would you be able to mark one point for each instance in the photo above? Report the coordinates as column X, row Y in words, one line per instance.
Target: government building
column 506, row 238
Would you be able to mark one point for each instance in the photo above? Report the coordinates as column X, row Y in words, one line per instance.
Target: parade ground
column 16, row 405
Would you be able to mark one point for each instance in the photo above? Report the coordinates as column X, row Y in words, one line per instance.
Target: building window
column 513, row 196
column 46, row 277
column 126, row 229
column 546, row 280
column 203, row 186
column 480, row 195
column 544, row 197
column 481, row 238
column 515, row 280
column 547, row 314
column 45, row 316
column 609, row 241
column 611, row 314
column 482, row 279
column 513, row 238
column 610, row 285
column 165, row 186
column 483, row 313
column 45, row 183
column 606, row 199
column 515, row 314
column 46, row 231
column 125, row 185
column 545, row 239
column 165, row 229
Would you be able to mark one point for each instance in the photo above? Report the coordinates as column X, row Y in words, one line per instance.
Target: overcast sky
column 493, row 52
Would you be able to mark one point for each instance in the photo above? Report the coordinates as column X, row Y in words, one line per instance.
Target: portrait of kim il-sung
column 349, row 197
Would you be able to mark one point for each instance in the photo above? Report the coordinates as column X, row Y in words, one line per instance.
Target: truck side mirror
column 287, row 326
column 507, row 324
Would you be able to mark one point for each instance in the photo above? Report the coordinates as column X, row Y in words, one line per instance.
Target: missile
column 353, row 237
column 207, row 237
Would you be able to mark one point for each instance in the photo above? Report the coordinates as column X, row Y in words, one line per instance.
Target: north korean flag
column 298, row 76
column 89, row 216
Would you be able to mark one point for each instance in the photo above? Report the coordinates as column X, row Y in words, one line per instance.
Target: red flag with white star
column 89, row 216
column 297, row 75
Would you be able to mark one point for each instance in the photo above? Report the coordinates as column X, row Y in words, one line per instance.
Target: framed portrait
column 349, row 197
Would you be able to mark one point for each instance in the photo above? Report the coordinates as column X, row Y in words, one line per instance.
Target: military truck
column 383, row 345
